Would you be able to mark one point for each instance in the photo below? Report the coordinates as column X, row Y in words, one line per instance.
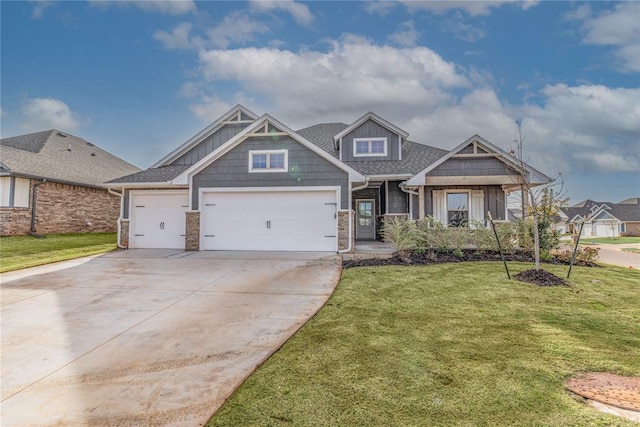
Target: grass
column 447, row 345
column 17, row 252
column 610, row 240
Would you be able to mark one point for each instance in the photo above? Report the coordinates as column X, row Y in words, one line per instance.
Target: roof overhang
column 254, row 129
column 165, row 184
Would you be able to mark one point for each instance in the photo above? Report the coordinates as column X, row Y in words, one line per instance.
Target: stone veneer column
column 192, row 236
column 343, row 230
column 124, row 232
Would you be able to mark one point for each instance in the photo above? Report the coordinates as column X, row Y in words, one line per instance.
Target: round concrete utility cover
column 615, row 390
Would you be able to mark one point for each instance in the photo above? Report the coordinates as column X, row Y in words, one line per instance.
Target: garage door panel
column 285, row 221
column 158, row 220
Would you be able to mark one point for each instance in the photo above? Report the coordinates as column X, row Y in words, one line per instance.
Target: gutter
column 115, row 193
column 403, row 187
column 350, row 246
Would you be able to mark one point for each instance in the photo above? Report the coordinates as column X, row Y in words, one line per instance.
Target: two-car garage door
column 269, row 220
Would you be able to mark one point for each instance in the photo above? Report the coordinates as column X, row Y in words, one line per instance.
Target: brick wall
column 124, row 232
column 192, row 237
column 343, row 230
column 63, row 208
column 632, row 229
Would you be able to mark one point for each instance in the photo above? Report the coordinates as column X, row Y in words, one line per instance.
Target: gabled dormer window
column 369, row 147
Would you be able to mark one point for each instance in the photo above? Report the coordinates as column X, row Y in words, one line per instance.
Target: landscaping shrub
column 584, row 256
column 401, row 233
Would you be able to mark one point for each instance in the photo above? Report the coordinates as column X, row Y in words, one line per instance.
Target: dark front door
column 365, row 220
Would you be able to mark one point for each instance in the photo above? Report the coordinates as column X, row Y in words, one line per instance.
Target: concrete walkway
column 614, row 255
column 148, row 337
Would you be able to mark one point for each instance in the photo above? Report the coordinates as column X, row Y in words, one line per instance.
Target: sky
column 139, row 78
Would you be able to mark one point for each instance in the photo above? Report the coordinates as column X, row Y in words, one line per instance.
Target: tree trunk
column 536, row 241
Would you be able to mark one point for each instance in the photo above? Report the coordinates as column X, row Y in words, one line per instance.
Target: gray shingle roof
column 59, row 156
column 624, row 211
column 415, row 156
column 161, row 174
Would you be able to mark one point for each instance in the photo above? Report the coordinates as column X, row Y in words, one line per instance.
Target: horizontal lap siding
column 494, row 198
column 306, row 168
column 370, row 129
column 210, row 144
column 484, row 166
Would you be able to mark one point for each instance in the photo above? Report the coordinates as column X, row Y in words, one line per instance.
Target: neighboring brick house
column 61, row 175
column 252, row 183
column 601, row 219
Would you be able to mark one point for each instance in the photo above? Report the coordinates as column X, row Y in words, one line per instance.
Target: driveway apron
column 149, row 337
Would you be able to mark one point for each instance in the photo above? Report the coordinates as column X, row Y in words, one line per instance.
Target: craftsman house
column 50, row 183
column 601, row 219
column 249, row 182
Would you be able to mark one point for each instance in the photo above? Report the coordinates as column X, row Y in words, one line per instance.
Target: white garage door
column 158, row 219
column 269, row 221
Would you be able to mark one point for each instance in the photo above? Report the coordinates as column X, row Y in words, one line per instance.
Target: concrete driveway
column 149, row 337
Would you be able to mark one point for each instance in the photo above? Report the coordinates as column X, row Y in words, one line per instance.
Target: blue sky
column 140, row 78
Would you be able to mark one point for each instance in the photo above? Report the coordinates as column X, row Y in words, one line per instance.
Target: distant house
column 601, row 219
column 50, row 183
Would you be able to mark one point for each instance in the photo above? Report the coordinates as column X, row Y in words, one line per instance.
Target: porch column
column 421, row 202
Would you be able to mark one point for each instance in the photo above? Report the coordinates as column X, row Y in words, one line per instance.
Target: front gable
column 479, row 162
column 209, row 139
column 370, row 138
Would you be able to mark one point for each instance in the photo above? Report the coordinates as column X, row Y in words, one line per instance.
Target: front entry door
column 365, row 220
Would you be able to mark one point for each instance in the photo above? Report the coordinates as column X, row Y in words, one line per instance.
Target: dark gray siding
column 367, row 193
column 370, row 129
column 483, row 166
column 306, row 168
column 214, row 141
column 416, row 207
column 126, row 197
column 398, row 200
column 494, row 198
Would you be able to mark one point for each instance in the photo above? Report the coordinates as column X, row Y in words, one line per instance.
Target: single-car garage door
column 158, row 219
column 269, row 220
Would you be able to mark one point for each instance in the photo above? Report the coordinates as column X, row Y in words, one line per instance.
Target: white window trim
column 446, row 203
column 369, row 154
column 285, row 168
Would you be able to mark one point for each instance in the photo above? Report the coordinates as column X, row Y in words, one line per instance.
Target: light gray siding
column 306, row 168
column 494, row 198
column 398, row 201
column 214, row 141
column 483, row 166
column 370, row 129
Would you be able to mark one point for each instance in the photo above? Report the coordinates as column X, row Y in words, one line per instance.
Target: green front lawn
column 18, row 252
column 447, row 345
column 610, row 240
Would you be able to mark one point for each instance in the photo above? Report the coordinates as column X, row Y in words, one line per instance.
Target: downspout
column 403, row 187
column 115, row 193
column 34, row 197
column 350, row 246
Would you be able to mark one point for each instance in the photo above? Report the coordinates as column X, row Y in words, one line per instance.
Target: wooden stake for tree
column 504, row 261
column 575, row 250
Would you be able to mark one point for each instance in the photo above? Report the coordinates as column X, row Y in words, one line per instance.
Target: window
column 14, row 192
column 369, row 147
column 623, row 227
column 458, row 209
column 268, row 161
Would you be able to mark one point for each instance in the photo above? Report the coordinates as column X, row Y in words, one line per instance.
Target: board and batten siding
column 398, row 201
column 494, row 198
column 370, row 129
column 210, row 144
column 306, row 169
column 484, row 166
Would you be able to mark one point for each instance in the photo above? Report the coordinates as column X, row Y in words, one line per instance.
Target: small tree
column 539, row 200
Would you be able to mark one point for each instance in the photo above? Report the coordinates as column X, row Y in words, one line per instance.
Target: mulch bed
column 536, row 277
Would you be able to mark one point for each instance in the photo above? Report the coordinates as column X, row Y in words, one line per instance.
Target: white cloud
column 167, row 7
column 235, row 28
column 47, row 113
column 2, row 113
column 620, row 28
column 178, row 38
column 39, row 8
column 353, row 75
column 473, row 8
column 406, row 35
column 300, row 12
column 463, row 30
column 379, row 7
column 579, row 13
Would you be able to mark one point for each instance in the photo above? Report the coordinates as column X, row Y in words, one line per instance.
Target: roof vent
column 61, row 134
column 90, row 144
column 69, row 147
column 93, row 154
